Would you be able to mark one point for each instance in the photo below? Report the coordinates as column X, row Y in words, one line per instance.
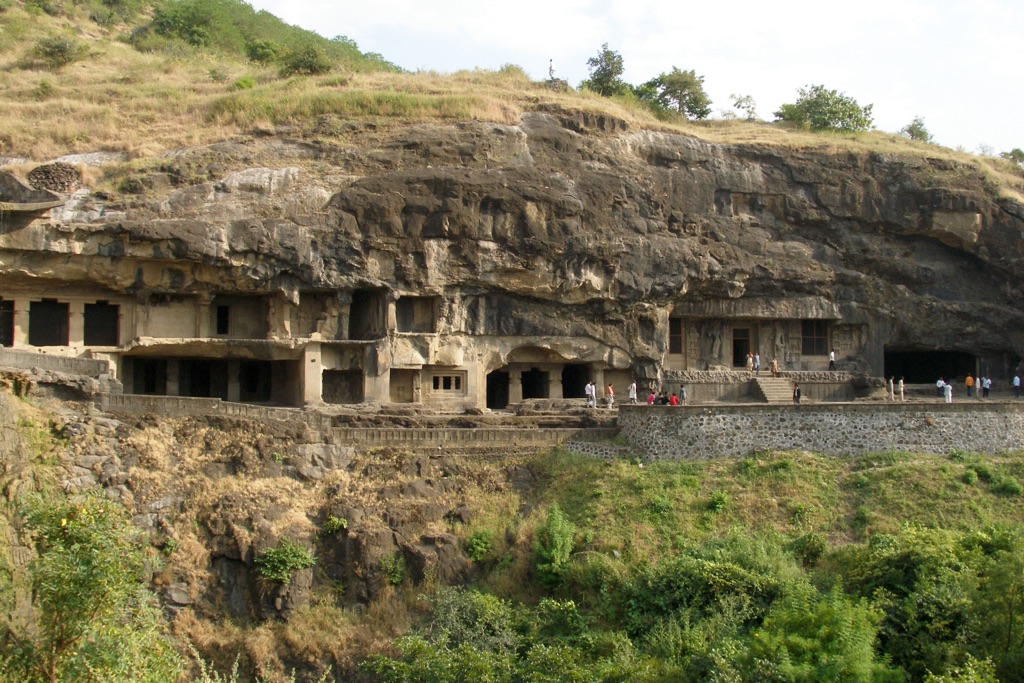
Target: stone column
column 312, row 374
column 555, row 383
column 173, row 373
column 203, row 302
column 21, row 307
column 234, row 381
column 344, row 313
column 515, row 386
column 76, row 324
column 391, row 315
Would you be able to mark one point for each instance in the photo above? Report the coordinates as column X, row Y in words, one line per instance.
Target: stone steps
column 775, row 389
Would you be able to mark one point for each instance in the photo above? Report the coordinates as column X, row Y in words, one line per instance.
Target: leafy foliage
column 393, row 568
column 605, row 73
column 479, row 545
column 916, row 130
column 680, row 91
column 824, row 109
column 1016, row 155
column 58, row 51
column 92, row 617
column 279, row 564
column 553, row 546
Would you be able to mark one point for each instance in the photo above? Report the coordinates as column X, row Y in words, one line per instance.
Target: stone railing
column 69, row 365
column 705, row 432
column 475, row 437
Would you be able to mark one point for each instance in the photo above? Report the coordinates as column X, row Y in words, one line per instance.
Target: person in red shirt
column 673, row 400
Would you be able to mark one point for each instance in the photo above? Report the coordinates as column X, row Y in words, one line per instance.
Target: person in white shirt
column 901, row 388
column 1016, row 386
column 832, row 359
column 632, row 392
column 590, row 392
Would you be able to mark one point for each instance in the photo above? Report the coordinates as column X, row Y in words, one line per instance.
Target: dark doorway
column 343, row 386
column 535, row 383
column 149, row 376
column 202, row 378
column 254, row 381
column 48, row 323
column 574, row 380
column 6, row 323
column 740, row 346
column 367, row 314
column 497, row 389
column 925, row 367
column 101, row 324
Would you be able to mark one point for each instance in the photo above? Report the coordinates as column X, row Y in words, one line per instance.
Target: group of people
column 666, row 399
column 653, row 399
column 754, row 364
column 980, row 387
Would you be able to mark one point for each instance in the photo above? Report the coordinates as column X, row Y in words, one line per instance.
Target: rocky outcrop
column 566, row 225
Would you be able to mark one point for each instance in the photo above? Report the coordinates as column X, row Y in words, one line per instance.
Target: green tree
column 746, row 105
column 605, row 73
column 553, row 546
column 93, row 619
column 916, row 130
column 1016, row 155
column 822, row 109
column 683, row 91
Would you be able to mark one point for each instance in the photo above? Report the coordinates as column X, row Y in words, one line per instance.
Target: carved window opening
column 254, row 381
column 368, row 314
column 814, row 336
column 497, row 389
column 675, row 335
column 448, row 384
column 343, row 386
column 223, row 319
column 48, row 323
column 149, row 376
column 6, row 323
column 535, row 383
column 102, row 324
column 417, row 314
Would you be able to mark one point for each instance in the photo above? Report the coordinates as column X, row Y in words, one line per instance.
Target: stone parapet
column 28, row 360
column 707, row 432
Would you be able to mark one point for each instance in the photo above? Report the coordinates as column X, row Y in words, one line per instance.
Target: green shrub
column 479, row 545
column 958, row 455
column 969, row 477
column 55, row 8
column 44, row 90
column 809, row 548
column 280, row 564
column 244, row 83
column 57, row 52
column 659, row 506
column 218, row 75
column 983, row 471
column 553, row 546
column 308, row 60
column 1008, row 486
column 719, row 501
column 393, row 568
column 334, row 524
column 262, row 51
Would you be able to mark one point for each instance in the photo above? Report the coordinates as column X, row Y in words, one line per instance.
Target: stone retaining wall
column 27, row 360
column 705, row 432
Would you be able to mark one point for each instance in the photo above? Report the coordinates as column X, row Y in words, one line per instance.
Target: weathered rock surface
column 567, row 224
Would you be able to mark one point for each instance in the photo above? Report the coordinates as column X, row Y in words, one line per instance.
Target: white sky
column 959, row 64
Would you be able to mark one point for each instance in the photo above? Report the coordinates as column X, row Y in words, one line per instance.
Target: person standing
column 940, row 386
column 650, row 398
column 832, row 359
column 632, row 393
column 591, row 392
column 901, row 388
column 609, row 394
column 796, row 393
column 1016, row 385
column 682, row 394
column 750, row 364
column 947, row 390
column 775, row 367
column 757, row 363
column 891, row 390
column 987, row 386
column 969, row 385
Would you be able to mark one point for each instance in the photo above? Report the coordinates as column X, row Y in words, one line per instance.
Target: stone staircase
column 775, row 389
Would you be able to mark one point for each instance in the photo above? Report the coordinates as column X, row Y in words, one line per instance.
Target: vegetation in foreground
column 782, row 566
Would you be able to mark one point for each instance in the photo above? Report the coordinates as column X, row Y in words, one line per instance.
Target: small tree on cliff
column 916, row 130
column 605, row 73
column 682, row 91
column 824, row 109
column 92, row 617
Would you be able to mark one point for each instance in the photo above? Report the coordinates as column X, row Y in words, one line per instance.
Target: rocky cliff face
column 568, row 224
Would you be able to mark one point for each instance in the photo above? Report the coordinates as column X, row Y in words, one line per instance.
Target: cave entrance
column 149, row 376
column 254, row 381
column 368, row 314
column 740, row 346
column 574, row 380
column 343, row 386
column 535, row 383
column 497, row 389
column 101, row 324
column 48, row 323
column 925, row 367
column 6, row 322
column 203, row 378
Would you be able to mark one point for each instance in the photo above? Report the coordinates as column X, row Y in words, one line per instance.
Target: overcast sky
column 959, row 64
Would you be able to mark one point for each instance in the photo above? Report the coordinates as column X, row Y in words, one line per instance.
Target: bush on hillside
column 822, row 109
column 57, row 52
column 309, row 60
column 553, row 547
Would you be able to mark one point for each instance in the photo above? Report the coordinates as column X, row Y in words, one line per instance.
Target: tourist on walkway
column 940, row 386
column 609, row 395
column 757, row 363
column 591, row 392
column 832, row 359
column 796, row 393
column 632, row 393
column 947, row 390
column 891, row 390
column 650, row 398
column 901, row 388
column 673, row 400
column 969, row 384
column 775, row 367
column 750, row 364
column 987, row 386
column 682, row 394
column 1016, row 385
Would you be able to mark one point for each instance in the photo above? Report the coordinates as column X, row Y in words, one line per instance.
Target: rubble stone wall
column 705, row 432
